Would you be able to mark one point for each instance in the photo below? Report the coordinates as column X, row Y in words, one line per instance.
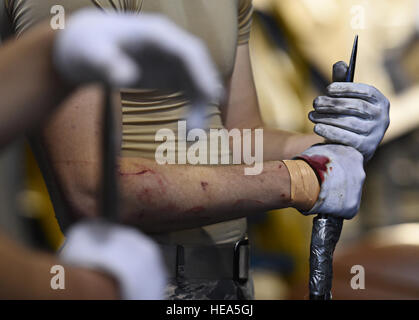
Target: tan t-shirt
column 221, row 24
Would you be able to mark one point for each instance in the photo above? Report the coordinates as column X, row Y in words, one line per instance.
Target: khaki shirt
column 221, row 24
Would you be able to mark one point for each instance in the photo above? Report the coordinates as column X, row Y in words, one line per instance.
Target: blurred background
column 294, row 44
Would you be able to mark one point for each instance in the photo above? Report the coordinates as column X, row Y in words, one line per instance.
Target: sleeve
column 14, row 9
column 6, row 29
column 8, row 5
column 131, row 5
column 245, row 20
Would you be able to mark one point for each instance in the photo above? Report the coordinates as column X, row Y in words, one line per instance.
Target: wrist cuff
column 305, row 187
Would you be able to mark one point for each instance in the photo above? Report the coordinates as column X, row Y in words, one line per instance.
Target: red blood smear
column 146, row 197
column 319, row 164
column 160, row 178
column 136, row 173
column 204, row 185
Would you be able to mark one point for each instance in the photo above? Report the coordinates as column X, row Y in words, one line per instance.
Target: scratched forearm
column 172, row 197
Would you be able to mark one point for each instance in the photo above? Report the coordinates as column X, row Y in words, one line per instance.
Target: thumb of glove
column 122, row 71
column 339, row 71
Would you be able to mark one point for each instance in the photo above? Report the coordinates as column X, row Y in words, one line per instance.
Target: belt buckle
column 241, row 277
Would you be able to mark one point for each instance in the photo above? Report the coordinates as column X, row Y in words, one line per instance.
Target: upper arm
column 242, row 109
column 72, row 144
column 68, row 148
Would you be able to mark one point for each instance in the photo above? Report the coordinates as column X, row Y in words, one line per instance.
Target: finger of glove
column 339, row 195
column 339, row 135
column 339, row 72
column 355, row 90
column 117, row 68
column 196, row 117
column 190, row 52
column 346, row 122
column 202, row 71
column 349, row 106
column 115, row 249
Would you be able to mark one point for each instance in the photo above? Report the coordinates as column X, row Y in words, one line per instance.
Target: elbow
column 82, row 204
column 80, row 193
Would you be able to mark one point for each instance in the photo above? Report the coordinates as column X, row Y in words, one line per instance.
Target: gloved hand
column 127, row 50
column 125, row 253
column 353, row 114
column 341, row 171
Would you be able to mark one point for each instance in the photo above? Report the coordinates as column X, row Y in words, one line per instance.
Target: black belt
column 212, row 262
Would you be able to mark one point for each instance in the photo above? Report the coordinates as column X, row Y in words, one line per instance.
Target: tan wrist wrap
column 305, row 187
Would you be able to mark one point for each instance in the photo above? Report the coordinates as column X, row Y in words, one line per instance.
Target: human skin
column 160, row 198
column 24, row 274
column 242, row 111
column 29, row 278
column 29, row 76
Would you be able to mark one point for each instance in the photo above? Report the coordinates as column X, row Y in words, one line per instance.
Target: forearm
column 25, row 274
column 279, row 144
column 163, row 198
column 29, row 84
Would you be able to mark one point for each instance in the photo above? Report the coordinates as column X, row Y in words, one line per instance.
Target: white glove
column 125, row 253
column 127, row 50
column 352, row 114
column 341, row 171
